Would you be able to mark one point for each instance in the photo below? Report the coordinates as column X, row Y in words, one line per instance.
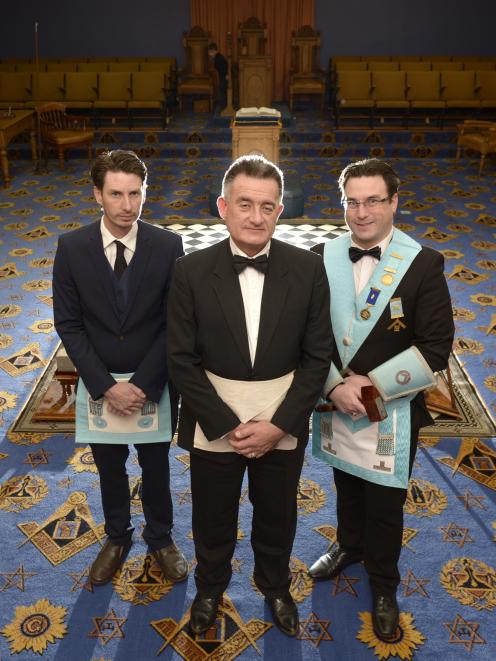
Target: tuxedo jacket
column 99, row 338
column 428, row 324
column 207, row 331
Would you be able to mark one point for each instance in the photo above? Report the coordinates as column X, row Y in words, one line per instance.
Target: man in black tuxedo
column 110, row 286
column 393, row 327
column 249, row 345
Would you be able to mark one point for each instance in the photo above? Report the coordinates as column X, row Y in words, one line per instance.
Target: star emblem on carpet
column 15, row 579
column 344, row 584
column 464, row 633
column 314, row 629
column 108, row 627
column 38, row 458
column 471, row 501
column 414, row 585
column 81, row 580
column 456, row 534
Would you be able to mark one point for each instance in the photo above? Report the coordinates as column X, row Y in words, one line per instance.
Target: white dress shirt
column 364, row 267
column 129, row 242
column 251, row 282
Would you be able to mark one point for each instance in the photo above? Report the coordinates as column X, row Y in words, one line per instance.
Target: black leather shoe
column 386, row 617
column 331, row 564
column 203, row 613
column 172, row 563
column 107, row 562
column 284, row 614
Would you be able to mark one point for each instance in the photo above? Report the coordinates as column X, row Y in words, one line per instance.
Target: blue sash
column 94, row 424
column 346, row 306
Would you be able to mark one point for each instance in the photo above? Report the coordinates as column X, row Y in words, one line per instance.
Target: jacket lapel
column 141, row 259
column 274, row 298
column 97, row 254
column 226, row 286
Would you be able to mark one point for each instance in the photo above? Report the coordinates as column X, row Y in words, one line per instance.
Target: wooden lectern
column 256, row 139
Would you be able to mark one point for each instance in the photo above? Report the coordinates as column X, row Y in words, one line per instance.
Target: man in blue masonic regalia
column 393, row 326
column 110, row 285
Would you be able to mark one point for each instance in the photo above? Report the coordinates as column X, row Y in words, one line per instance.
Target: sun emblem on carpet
column 408, row 640
column 35, row 626
column 140, row 581
column 226, row 639
column 470, row 581
column 82, row 461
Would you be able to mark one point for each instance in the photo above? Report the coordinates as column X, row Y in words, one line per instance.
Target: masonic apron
column 377, row 452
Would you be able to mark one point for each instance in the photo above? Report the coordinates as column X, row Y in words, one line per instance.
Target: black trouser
column 370, row 524
column 216, row 490
column 155, row 493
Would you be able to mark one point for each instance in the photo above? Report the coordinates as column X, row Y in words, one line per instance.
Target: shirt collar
column 237, row 251
column 382, row 245
column 129, row 240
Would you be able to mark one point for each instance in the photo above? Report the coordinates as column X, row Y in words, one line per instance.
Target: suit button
column 121, row 337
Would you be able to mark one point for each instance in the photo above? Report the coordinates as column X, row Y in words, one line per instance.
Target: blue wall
column 405, row 27
column 155, row 27
column 94, row 28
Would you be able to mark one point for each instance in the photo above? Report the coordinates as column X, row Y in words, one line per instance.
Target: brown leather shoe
column 107, row 562
column 172, row 563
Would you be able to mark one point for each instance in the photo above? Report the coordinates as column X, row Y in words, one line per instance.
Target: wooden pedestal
column 256, row 139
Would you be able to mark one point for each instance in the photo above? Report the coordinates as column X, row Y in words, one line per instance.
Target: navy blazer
column 207, row 331
column 96, row 337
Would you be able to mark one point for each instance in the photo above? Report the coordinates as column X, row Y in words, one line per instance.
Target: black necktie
column 120, row 264
column 358, row 253
column 261, row 263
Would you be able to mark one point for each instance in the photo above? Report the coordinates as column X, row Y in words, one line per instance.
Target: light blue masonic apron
column 377, row 452
column 95, row 424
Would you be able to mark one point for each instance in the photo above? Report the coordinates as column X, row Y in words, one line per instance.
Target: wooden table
column 10, row 127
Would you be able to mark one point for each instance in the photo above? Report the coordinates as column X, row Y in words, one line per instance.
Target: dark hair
column 255, row 166
column 370, row 167
column 212, row 46
column 118, row 160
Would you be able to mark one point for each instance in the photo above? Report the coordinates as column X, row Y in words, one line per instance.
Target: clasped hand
column 255, row 438
column 124, row 398
column 347, row 396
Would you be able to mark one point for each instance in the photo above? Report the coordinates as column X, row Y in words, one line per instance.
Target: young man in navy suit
column 110, row 285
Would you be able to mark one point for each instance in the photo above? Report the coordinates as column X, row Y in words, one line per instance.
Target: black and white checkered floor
column 200, row 236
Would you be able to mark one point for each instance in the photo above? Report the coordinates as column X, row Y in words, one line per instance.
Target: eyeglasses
column 371, row 203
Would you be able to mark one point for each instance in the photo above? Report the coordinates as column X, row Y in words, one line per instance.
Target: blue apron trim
column 387, row 444
column 346, row 305
column 152, row 426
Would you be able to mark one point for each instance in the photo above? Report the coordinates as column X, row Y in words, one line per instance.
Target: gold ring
column 252, row 455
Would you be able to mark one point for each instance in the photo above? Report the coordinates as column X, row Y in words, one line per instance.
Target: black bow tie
column 358, row 253
column 261, row 263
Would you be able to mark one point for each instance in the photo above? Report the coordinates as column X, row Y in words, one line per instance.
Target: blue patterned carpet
column 49, row 497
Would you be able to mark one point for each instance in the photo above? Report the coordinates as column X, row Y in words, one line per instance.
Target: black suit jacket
column 207, row 331
column 428, row 320
column 96, row 337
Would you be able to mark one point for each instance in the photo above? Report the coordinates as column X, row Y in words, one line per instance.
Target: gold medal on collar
column 387, row 279
column 365, row 314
